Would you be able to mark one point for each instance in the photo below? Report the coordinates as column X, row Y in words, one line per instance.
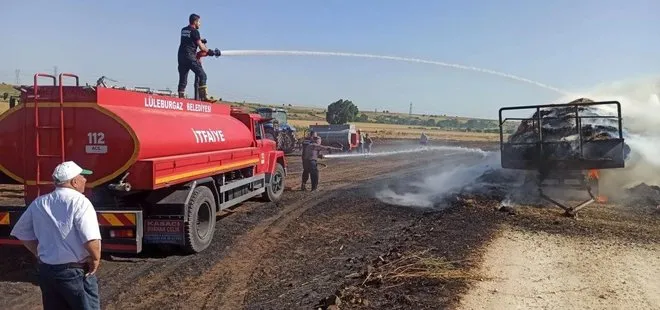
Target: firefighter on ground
column 187, row 56
column 367, row 143
column 361, row 149
column 310, row 154
column 306, row 172
column 424, row 139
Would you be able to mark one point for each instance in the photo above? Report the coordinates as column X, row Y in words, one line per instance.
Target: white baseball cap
column 67, row 171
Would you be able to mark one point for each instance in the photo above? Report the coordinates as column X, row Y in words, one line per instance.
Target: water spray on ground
column 453, row 149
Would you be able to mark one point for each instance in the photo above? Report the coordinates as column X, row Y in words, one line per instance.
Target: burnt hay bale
column 559, row 125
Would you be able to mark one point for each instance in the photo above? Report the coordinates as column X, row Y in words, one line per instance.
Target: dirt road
column 156, row 278
column 342, row 245
column 537, row 270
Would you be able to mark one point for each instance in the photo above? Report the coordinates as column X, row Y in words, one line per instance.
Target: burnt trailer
column 566, row 144
column 345, row 136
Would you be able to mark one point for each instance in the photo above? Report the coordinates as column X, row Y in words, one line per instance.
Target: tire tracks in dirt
column 250, row 249
column 172, row 280
column 147, row 281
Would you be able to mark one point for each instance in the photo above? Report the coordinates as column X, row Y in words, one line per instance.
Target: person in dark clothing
column 306, row 172
column 187, row 56
column 311, row 153
column 308, row 139
column 368, row 142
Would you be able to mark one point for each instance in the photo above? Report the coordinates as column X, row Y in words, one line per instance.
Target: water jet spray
column 455, row 149
column 406, row 59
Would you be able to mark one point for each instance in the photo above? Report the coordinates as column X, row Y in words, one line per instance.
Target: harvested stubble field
column 393, row 131
column 342, row 248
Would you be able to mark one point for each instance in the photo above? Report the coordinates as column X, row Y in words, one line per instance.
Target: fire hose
column 210, row 52
column 322, row 166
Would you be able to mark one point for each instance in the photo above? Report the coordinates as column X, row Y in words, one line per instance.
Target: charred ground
column 340, row 246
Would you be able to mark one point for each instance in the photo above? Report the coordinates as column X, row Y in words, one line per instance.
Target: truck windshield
column 280, row 117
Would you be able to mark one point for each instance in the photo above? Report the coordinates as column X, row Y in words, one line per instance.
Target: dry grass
column 420, row 266
column 9, row 89
column 301, row 112
column 393, row 271
column 392, row 131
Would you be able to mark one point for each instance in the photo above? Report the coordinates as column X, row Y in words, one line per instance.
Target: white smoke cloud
column 440, row 181
column 640, row 108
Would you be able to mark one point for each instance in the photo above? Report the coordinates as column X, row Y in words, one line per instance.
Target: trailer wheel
column 275, row 188
column 201, row 220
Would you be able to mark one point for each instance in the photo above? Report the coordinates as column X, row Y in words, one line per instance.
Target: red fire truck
column 163, row 167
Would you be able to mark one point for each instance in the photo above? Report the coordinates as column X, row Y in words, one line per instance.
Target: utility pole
column 18, row 76
column 410, row 110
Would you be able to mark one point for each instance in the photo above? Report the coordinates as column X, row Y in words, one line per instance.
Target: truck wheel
column 275, row 188
column 201, row 220
column 270, row 134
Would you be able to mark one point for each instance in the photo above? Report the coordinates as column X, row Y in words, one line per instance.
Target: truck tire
column 200, row 226
column 289, row 143
column 270, row 134
column 275, row 187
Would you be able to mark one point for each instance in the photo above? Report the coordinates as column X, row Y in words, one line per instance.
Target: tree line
column 345, row 111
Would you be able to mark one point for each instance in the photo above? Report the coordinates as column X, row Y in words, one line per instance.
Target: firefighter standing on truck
column 187, row 57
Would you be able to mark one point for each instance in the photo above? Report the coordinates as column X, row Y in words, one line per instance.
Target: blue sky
column 567, row 44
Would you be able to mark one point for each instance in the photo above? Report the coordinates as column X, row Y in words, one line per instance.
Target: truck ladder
column 37, row 127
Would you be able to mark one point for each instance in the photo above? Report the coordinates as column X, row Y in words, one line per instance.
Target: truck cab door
column 259, row 134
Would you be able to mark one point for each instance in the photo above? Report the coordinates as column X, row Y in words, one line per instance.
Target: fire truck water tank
column 109, row 135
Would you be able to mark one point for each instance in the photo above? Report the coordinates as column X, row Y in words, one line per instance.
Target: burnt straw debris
column 571, row 150
column 394, row 268
column 559, row 124
column 642, row 196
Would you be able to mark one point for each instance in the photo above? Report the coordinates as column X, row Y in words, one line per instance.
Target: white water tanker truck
column 345, row 136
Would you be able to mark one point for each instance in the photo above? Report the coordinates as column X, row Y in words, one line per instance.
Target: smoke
column 640, row 110
column 468, row 165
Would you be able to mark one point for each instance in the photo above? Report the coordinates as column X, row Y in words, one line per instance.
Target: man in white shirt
column 61, row 229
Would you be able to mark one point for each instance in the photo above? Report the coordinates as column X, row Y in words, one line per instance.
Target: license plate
column 163, row 231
